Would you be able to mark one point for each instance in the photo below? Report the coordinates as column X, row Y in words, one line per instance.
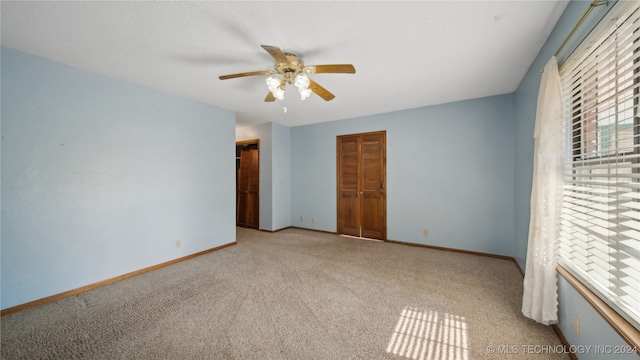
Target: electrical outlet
column 178, row 244
column 576, row 324
column 313, row 220
column 425, row 232
column 301, row 218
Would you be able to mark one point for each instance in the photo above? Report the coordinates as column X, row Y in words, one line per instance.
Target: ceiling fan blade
column 251, row 73
column 270, row 97
column 322, row 92
column 277, row 54
column 334, row 68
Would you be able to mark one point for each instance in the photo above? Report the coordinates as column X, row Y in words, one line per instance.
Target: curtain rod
column 582, row 19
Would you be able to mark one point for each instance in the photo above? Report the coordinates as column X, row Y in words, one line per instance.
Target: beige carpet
column 294, row 294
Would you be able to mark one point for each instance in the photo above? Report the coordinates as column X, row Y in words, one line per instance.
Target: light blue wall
column 593, row 328
column 449, row 169
column 281, row 146
column 100, row 177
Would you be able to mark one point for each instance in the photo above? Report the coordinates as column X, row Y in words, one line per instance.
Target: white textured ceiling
column 406, row 54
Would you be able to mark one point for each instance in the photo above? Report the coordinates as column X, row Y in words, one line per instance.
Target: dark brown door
column 248, row 187
column 361, row 185
column 349, row 175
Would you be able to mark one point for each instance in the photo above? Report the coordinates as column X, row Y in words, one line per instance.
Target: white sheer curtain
column 540, row 298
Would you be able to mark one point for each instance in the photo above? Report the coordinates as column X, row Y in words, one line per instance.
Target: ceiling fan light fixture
column 278, row 94
column 304, row 93
column 274, row 86
column 293, row 71
column 273, row 83
column 302, row 82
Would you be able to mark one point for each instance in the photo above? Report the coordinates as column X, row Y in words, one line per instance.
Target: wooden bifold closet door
column 361, row 182
column 248, row 186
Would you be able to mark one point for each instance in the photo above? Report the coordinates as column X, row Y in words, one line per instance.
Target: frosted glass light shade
column 304, row 93
column 302, row 81
column 273, row 84
column 278, row 94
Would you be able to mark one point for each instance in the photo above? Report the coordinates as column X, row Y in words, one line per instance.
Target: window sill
column 629, row 333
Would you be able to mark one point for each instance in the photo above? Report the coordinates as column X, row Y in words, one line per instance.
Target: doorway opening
column 248, row 183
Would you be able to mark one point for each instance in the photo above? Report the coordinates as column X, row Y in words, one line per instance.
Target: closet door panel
column 254, row 188
column 373, row 186
column 348, row 185
column 361, row 185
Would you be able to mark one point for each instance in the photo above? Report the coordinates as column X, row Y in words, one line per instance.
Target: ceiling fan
column 294, row 72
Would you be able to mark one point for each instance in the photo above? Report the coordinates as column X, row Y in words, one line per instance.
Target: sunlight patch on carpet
column 360, row 238
column 428, row 335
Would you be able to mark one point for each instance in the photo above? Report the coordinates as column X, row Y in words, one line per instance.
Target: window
column 600, row 227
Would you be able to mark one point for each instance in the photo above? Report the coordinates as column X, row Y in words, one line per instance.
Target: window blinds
column 600, row 227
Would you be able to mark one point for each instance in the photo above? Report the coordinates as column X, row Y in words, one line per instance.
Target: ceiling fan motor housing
column 291, row 68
